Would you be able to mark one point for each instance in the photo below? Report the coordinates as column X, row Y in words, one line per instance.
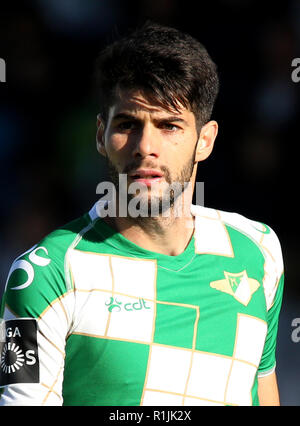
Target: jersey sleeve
column 36, row 316
column 273, row 288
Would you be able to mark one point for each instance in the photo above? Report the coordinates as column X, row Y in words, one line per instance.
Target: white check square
column 168, row 369
column 251, row 334
column 209, row 376
column 240, row 384
column 161, row 399
column 134, row 277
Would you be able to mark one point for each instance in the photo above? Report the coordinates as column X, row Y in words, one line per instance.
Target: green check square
column 114, row 369
column 174, row 325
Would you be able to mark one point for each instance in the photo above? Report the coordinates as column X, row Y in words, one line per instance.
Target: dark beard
column 161, row 204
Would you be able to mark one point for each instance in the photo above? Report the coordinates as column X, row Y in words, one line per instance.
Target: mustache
column 147, row 165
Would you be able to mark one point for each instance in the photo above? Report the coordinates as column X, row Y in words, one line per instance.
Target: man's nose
column 147, row 142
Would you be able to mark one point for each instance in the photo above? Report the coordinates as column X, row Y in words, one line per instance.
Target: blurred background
column 49, row 166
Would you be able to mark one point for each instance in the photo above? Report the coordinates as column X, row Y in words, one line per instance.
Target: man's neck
column 169, row 234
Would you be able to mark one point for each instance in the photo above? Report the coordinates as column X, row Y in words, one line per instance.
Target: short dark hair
column 167, row 65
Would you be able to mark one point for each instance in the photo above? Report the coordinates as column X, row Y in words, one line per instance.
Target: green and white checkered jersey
column 91, row 318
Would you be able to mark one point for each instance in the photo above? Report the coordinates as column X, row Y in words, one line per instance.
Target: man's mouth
column 146, row 176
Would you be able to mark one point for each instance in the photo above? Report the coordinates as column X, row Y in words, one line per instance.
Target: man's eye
column 170, row 127
column 126, row 126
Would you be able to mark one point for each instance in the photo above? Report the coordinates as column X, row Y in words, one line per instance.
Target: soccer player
column 147, row 299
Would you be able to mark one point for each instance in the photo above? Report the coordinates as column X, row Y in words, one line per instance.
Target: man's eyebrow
column 167, row 119
column 124, row 116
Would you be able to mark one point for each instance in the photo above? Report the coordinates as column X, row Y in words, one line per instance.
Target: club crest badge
column 238, row 285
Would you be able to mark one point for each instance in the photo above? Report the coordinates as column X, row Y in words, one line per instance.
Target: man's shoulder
column 258, row 232
column 44, row 262
column 52, row 248
column 62, row 237
column 234, row 219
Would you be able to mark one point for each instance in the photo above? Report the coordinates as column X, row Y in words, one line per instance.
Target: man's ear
column 100, row 136
column 206, row 140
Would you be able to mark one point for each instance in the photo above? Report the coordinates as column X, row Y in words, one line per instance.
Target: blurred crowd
column 49, row 166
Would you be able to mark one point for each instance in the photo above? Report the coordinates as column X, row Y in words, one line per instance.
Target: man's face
column 151, row 145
